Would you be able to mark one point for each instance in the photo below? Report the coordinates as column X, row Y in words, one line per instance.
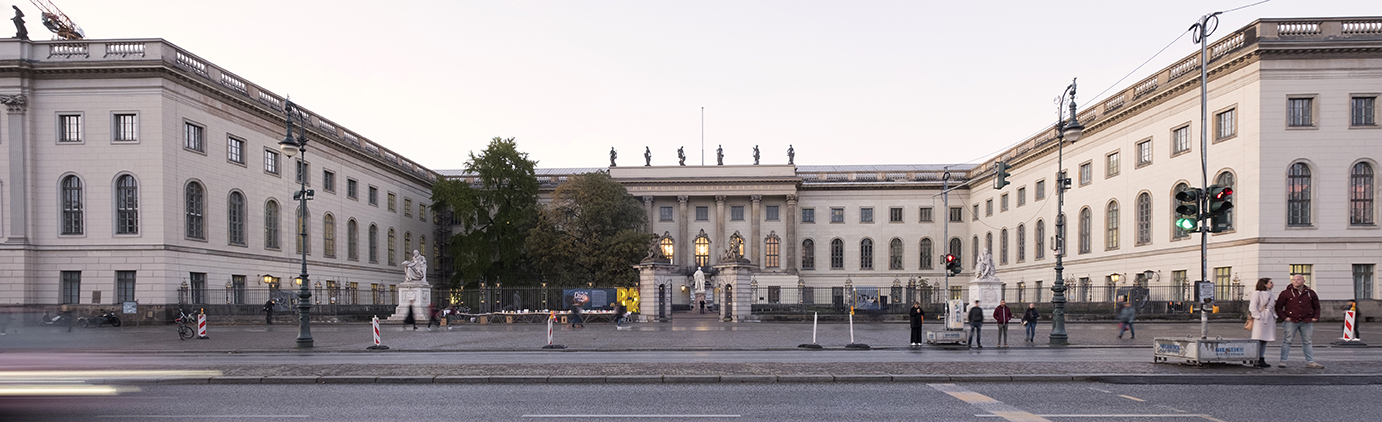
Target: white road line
column 631, row 416
column 1131, row 397
column 195, row 417
column 1130, row 415
column 994, row 407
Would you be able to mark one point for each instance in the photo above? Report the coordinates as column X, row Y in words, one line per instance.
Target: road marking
column 988, row 404
column 630, row 416
column 1131, row 398
column 195, row 417
column 1125, row 415
column 1101, row 391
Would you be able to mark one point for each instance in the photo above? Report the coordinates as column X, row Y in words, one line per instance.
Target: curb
column 1282, row 379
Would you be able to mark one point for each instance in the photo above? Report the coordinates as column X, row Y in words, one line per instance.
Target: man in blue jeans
column 1299, row 308
column 976, row 325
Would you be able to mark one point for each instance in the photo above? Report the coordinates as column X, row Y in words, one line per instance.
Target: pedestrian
column 269, row 312
column 702, row 305
column 1298, row 308
column 620, row 312
column 1262, row 313
column 433, row 316
column 976, row 325
column 918, row 318
column 576, row 320
column 1029, row 319
column 1126, row 313
column 410, row 318
column 1002, row 314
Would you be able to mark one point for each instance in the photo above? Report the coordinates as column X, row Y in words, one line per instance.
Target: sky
column 842, row 82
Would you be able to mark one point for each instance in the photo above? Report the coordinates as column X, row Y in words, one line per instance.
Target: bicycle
column 184, row 331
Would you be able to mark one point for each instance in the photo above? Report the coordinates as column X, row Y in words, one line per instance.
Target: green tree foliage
column 495, row 215
column 592, row 232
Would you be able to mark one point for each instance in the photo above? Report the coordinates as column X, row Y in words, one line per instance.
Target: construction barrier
column 377, row 344
column 1349, row 320
column 201, row 326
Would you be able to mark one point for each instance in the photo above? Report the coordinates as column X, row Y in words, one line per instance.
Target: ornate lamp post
column 290, row 148
column 1065, row 129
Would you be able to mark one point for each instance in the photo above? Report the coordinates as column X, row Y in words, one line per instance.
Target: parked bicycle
column 184, row 330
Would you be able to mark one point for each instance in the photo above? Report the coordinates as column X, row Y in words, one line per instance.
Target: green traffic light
column 1186, row 224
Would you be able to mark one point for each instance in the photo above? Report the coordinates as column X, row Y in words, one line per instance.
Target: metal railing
column 1080, row 299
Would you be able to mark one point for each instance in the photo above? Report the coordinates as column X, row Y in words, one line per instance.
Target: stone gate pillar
column 655, row 284
column 738, row 275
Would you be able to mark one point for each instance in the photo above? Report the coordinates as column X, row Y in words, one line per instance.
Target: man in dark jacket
column 269, row 312
column 1029, row 319
column 1002, row 314
column 976, row 323
column 1298, row 308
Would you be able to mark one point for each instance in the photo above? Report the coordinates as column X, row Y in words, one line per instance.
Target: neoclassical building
column 136, row 170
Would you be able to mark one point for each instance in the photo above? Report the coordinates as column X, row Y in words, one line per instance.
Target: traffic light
column 952, row 264
column 1189, row 209
column 1220, row 202
column 1000, row 175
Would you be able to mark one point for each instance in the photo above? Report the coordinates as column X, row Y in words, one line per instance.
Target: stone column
column 718, row 247
column 17, row 105
column 683, row 243
column 650, row 276
column 791, row 240
column 739, row 277
column 756, row 236
column 649, row 209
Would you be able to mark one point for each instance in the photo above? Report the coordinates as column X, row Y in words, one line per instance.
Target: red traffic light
column 949, row 258
column 1223, row 193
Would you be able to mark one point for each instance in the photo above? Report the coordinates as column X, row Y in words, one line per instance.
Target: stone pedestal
column 736, row 276
column 420, row 294
column 652, row 306
column 988, row 291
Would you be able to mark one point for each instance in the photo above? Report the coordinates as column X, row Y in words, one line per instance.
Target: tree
column 495, row 214
column 591, row 232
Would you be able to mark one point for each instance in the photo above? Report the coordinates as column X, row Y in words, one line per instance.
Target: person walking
column 269, row 312
column 433, row 316
column 918, row 318
column 1029, row 319
column 1126, row 313
column 410, row 318
column 976, row 325
column 576, row 320
column 1262, row 311
column 619, row 311
column 1002, row 314
column 1298, row 307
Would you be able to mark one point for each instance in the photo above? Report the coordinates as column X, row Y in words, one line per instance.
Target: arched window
column 393, row 249
column 352, row 240
column 955, row 249
column 1360, row 195
column 1003, row 247
column 1039, row 236
column 72, row 215
column 126, row 205
column 837, row 254
column 194, row 210
column 988, row 243
column 1298, row 195
column 1144, row 218
column 770, row 251
column 235, row 218
column 895, row 254
column 329, row 236
column 702, row 250
column 1086, row 223
column 1021, row 242
column 1225, row 179
column 421, row 243
column 303, row 225
column 808, row 254
column 925, row 252
column 1176, row 231
column 1111, row 226
column 407, row 244
column 373, row 243
column 975, row 248
column 271, row 225
column 668, row 249
column 866, row 254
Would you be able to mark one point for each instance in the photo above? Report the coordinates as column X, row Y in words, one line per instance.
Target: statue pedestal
column 420, row 294
column 655, row 291
column 988, row 291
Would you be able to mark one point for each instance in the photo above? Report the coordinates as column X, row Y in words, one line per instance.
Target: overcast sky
column 845, row 82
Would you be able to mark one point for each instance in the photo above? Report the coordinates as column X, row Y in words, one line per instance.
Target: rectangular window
column 895, row 214
column 1180, row 140
column 71, row 287
column 352, row 188
column 808, row 215
column 328, row 181
column 702, row 213
column 1040, row 190
column 69, row 128
column 957, row 214
column 1086, row 173
column 1144, row 153
column 1111, row 169
column 303, row 169
column 1180, row 286
column 1306, row 270
column 1226, row 124
column 925, row 214
column 126, row 127
column 235, row 150
column 1299, row 112
column 237, row 286
column 664, row 214
column 270, row 162
column 1003, row 202
column 866, row 215
column 1222, row 278
column 198, row 285
column 393, row 202
column 1021, row 196
column 193, row 137
column 772, row 214
column 774, row 294
column 374, row 196
column 1362, row 281
column 736, row 213
column 837, row 215
column 1364, row 111
column 988, row 207
column 975, row 217
column 124, row 286
column 407, row 207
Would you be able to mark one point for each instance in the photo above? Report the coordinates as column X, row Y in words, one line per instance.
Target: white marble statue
column 699, row 278
column 983, row 267
column 416, row 268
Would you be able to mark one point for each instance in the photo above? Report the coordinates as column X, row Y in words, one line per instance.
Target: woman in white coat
column 1262, row 308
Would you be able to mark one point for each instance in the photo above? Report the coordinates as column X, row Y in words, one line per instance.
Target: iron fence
column 285, row 298
column 1080, row 299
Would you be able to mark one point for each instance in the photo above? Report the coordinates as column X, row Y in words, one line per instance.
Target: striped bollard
column 550, row 318
column 201, row 326
column 1349, row 319
column 377, row 344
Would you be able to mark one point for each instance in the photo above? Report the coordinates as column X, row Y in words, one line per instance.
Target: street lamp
column 1072, row 130
column 290, row 148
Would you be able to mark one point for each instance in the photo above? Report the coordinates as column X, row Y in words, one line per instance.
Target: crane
column 57, row 22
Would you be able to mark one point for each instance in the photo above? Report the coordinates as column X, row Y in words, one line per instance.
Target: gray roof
column 884, row 168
